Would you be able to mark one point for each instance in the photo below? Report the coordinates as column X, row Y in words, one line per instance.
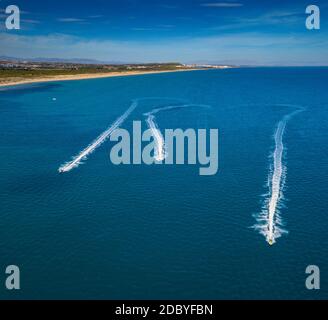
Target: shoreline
column 86, row 76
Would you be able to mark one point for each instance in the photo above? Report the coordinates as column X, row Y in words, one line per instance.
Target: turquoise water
column 164, row 232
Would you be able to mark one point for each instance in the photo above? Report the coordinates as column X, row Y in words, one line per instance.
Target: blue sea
column 163, row 231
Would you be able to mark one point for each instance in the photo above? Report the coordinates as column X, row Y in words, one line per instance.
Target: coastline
column 85, row 76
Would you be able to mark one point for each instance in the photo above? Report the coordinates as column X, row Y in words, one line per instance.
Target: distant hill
column 57, row 60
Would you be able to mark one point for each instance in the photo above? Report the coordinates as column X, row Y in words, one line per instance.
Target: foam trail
column 160, row 148
column 160, row 153
column 276, row 178
column 77, row 160
column 270, row 215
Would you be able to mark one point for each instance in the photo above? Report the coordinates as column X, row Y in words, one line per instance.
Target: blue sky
column 263, row 32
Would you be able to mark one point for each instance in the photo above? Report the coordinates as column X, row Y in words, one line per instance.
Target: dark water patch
column 23, row 89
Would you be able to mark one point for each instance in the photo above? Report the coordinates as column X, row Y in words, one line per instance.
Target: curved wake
column 160, row 148
column 160, row 152
column 269, row 221
column 77, row 160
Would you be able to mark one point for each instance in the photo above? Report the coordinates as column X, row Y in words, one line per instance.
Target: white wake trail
column 276, row 180
column 160, row 153
column 160, row 148
column 271, row 228
column 77, row 160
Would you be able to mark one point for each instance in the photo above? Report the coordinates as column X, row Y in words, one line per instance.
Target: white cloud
column 142, row 29
column 70, row 20
column 168, row 6
column 222, row 5
column 32, row 21
column 251, row 48
column 286, row 18
column 97, row 16
column 166, row 26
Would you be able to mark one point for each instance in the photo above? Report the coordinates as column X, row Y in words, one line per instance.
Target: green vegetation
column 49, row 70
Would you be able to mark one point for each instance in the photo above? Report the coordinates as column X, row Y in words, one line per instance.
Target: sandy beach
column 17, row 81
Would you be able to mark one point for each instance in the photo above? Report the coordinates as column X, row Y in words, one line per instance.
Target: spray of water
column 77, row 160
column 160, row 149
column 160, row 153
column 269, row 221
